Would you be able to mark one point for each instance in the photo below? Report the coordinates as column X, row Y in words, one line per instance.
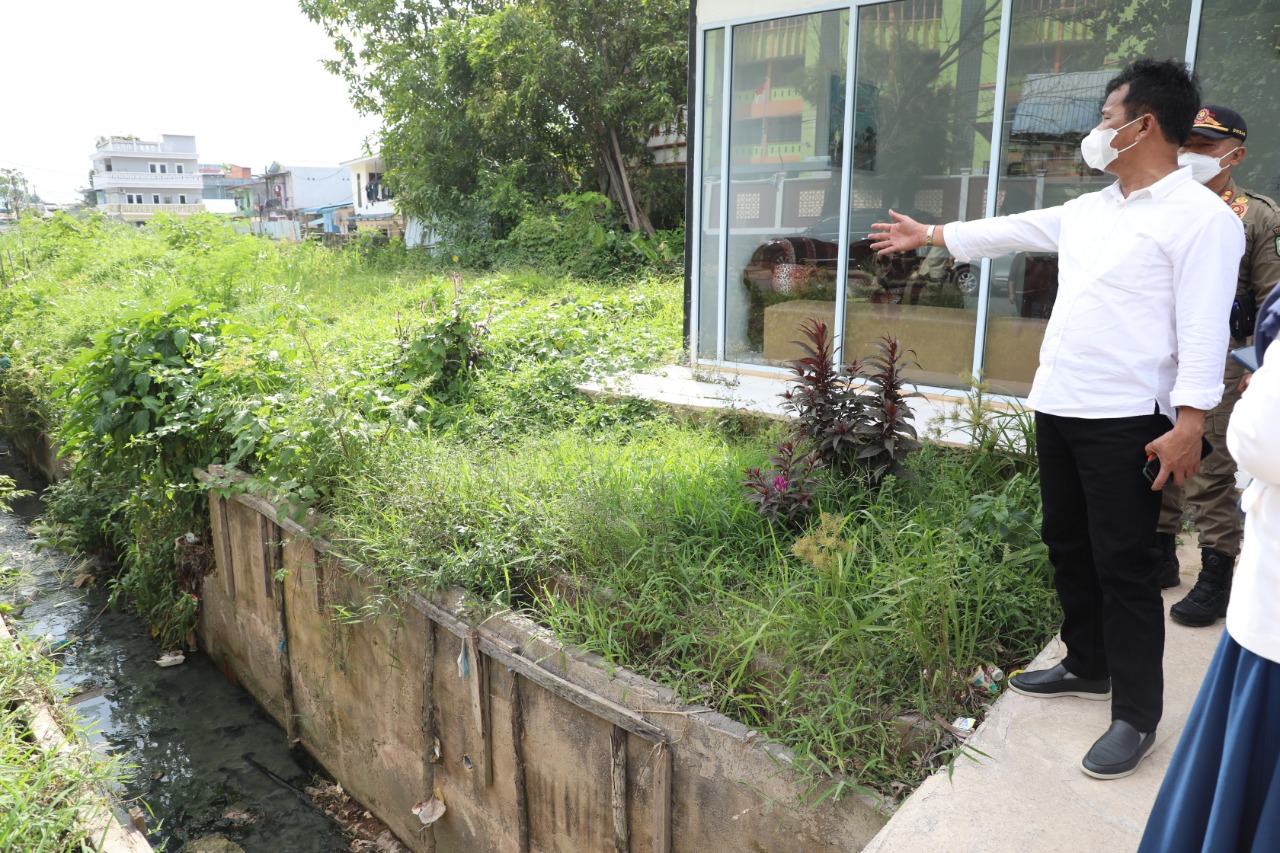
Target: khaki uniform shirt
column 1260, row 265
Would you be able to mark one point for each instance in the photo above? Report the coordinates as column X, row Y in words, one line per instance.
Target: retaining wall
column 531, row 745
column 36, row 447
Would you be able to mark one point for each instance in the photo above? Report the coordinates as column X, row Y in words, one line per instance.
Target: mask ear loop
column 1120, row 151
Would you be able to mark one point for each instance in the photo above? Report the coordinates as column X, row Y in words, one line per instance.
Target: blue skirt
column 1222, row 791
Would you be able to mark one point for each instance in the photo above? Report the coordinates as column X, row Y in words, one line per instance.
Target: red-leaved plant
column 785, row 491
column 853, row 420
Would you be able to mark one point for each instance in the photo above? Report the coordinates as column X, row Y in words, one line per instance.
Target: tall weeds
column 456, row 450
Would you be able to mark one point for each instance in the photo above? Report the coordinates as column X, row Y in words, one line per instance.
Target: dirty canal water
column 207, row 759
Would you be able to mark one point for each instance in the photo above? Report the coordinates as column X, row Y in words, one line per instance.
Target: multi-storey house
column 134, row 179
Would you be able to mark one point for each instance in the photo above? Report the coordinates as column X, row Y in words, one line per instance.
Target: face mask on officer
column 1096, row 147
column 1203, row 167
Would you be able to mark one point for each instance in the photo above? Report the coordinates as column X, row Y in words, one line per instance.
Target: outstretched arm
column 1032, row 231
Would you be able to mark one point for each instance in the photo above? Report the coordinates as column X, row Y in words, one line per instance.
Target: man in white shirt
column 1136, row 340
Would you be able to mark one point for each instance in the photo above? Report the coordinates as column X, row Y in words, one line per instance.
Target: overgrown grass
column 644, row 551
column 434, row 418
column 46, row 793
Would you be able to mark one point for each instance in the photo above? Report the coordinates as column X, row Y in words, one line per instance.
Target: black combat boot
column 1167, row 554
column 1207, row 601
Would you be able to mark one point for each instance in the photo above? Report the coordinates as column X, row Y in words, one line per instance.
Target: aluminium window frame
column 999, row 109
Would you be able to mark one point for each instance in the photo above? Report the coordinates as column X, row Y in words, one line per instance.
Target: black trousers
column 1099, row 525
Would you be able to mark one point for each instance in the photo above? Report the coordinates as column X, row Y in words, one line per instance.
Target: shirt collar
column 1158, row 190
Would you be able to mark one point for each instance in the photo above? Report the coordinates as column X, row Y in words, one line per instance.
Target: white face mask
column 1203, row 167
column 1096, row 147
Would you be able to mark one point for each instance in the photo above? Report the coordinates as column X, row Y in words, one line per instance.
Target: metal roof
column 1060, row 104
column 325, row 207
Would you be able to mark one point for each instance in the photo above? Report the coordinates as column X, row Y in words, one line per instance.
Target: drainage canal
column 207, row 759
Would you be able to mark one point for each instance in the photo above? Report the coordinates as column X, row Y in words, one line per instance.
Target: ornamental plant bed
column 429, row 415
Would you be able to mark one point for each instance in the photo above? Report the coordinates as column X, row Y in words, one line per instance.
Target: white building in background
column 374, row 207
column 286, row 188
column 135, row 179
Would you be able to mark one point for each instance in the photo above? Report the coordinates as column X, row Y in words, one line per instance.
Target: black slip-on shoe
column 1118, row 752
column 1056, row 681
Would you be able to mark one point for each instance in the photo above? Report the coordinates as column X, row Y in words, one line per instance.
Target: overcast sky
column 242, row 76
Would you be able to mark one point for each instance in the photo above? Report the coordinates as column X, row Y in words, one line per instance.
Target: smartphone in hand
column 1151, row 469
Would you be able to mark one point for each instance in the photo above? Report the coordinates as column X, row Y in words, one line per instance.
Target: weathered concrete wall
column 40, row 451
column 540, row 748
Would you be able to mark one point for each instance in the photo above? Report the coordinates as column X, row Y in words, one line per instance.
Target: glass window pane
column 708, row 272
column 788, row 95
column 1061, row 55
column 1239, row 48
column 924, row 104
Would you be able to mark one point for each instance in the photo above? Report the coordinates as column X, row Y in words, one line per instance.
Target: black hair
column 1165, row 88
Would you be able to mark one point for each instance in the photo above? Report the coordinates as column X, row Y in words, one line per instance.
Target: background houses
column 276, row 202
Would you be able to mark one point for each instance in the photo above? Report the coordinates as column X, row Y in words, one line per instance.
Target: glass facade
column 787, row 97
column 1061, row 55
column 1238, row 60
column 949, row 117
column 926, row 72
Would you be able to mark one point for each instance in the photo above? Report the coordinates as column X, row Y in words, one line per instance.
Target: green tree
column 15, row 193
column 489, row 106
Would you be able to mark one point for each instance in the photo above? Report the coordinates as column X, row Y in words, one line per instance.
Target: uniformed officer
column 1214, row 150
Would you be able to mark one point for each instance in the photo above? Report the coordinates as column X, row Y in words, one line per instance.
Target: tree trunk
column 636, row 217
column 609, row 160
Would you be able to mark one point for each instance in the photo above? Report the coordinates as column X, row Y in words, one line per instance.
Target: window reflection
column 788, row 95
column 925, row 75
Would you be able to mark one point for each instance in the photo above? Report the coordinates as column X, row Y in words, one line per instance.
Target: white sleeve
column 1033, row 231
column 1204, row 282
column 1253, row 434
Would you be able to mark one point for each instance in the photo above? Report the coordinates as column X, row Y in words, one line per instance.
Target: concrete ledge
column 757, row 393
column 106, row 833
column 1026, row 792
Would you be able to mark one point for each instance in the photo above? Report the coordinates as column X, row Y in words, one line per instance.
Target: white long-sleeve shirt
column 1253, row 437
column 1145, row 286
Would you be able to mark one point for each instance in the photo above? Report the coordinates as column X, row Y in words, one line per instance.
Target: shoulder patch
column 1237, row 201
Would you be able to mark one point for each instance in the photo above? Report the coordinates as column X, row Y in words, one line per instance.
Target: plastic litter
column 986, row 679
column 171, row 659
column 49, row 645
column 964, row 726
column 432, row 810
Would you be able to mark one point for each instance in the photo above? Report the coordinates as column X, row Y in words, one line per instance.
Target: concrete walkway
column 1025, row 792
column 704, row 390
column 1029, row 793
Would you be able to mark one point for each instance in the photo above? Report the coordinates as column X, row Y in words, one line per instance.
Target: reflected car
column 965, row 276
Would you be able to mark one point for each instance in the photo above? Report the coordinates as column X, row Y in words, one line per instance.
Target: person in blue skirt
column 1222, row 790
